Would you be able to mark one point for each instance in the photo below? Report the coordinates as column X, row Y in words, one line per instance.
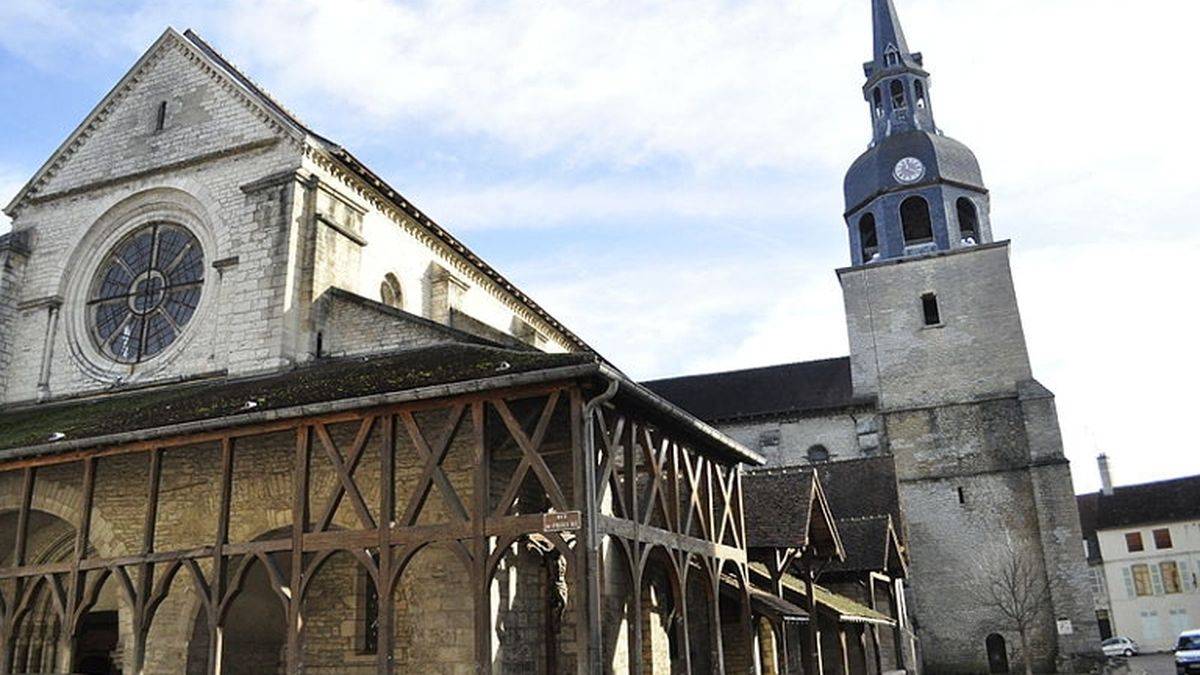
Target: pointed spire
column 888, row 32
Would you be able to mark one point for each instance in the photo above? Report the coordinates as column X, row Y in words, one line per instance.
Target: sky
column 665, row 177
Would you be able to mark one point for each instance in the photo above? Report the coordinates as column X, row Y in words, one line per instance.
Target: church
column 259, row 413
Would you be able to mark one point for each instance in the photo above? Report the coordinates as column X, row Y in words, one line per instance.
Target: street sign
column 562, row 522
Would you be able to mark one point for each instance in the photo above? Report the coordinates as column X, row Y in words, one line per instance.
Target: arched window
column 968, row 221
column 891, row 57
column 920, row 94
column 389, row 291
column 899, row 102
column 818, row 453
column 877, row 96
column 914, row 215
column 868, row 239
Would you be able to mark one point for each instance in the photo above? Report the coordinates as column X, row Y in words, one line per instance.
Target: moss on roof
column 845, row 608
column 317, row 382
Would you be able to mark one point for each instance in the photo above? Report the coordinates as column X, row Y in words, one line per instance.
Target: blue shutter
column 1156, row 579
column 1127, row 573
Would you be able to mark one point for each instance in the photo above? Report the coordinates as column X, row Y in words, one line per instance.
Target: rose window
column 146, row 292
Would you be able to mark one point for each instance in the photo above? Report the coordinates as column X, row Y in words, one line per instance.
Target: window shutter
column 1156, row 579
column 1127, row 573
column 1185, row 576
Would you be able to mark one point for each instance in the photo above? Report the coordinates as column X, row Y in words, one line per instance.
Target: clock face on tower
column 909, row 170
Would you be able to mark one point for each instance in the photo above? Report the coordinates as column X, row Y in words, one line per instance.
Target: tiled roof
column 1144, row 504
column 871, row 546
column 777, row 508
column 864, row 487
column 775, row 390
column 318, row 382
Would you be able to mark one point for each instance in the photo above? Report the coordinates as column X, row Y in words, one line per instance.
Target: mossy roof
column 846, row 609
column 320, row 381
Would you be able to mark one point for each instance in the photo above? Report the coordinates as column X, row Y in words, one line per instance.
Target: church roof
column 786, row 508
column 1145, row 504
column 785, row 389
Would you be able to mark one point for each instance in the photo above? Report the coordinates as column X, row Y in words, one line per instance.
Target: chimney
column 1106, row 486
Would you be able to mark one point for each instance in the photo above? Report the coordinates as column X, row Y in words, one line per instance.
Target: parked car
column 1119, row 646
column 1187, row 652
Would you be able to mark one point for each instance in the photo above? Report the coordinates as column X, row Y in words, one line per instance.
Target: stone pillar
column 14, row 252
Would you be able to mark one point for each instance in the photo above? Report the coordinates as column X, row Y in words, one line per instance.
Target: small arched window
column 389, row 291
column 818, row 453
column 877, row 96
column 968, row 221
column 868, row 239
column 899, row 102
column 914, row 216
column 891, row 57
column 920, row 88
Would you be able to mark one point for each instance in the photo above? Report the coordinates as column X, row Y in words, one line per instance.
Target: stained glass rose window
column 145, row 292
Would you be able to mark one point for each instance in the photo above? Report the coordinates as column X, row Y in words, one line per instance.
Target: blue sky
column 665, row 176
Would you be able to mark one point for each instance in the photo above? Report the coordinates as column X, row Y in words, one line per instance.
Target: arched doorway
column 997, row 653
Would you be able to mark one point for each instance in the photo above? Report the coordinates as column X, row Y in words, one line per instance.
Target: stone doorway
column 997, row 652
column 96, row 644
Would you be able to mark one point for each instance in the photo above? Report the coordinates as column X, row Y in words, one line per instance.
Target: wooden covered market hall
column 261, row 414
column 466, row 509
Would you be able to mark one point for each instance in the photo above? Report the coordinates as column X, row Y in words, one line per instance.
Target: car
column 1187, row 652
column 1119, row 646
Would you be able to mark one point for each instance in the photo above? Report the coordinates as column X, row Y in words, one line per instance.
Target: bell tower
column 914, row 190
column 936, row 339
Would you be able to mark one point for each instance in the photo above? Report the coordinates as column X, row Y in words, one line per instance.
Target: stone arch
column 700, row 615
column 327, row 600
column 997, row 653
column 64, row 502
column 617, row 608
column 767, row 641
column 533, row 597
column 663, row 633
column 734, row 613
column 433, row 617
column 390, row 291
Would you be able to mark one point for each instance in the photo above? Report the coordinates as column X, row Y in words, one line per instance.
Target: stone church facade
column 938, row 382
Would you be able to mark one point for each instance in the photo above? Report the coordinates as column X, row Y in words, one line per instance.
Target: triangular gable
column 253, row 118
column 822, row 532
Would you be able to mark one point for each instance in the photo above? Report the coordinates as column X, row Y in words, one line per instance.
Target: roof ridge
column 246, row 81
column 747, row 370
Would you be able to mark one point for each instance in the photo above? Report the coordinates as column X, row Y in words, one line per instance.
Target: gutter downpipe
column 595, row 651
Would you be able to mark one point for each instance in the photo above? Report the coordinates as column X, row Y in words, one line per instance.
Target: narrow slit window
column 877, row 97
column 920, row 88
column 160, row 120
column 929, row 307
column 962, row 496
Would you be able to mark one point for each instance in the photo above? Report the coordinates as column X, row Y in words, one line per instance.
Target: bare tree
column 1010, row 583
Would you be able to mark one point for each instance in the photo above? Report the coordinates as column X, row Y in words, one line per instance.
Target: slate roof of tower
column 775, row 390
column 1144, row 504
